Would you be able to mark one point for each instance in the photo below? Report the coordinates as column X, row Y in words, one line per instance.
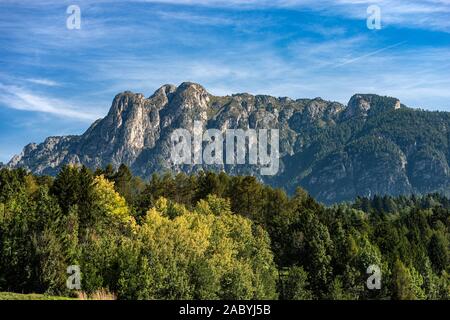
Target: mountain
column 372, row 145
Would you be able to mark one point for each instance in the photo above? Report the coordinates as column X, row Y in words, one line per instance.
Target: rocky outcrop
column 363, row 104
column 372, row 145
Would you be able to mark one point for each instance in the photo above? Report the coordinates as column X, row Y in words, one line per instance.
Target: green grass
column 31, row 296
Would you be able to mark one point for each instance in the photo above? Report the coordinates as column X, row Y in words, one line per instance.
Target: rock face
column 374, row 145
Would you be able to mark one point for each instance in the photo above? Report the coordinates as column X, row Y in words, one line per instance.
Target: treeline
column 214, row 236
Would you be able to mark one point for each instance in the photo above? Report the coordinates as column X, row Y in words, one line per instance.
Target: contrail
column 368, row 55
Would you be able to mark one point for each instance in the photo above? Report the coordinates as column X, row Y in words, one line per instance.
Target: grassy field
column 32, row 296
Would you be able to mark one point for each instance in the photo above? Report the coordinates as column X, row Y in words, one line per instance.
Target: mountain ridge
column 334, row 151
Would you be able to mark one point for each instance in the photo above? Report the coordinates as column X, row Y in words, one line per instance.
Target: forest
column 214, row 236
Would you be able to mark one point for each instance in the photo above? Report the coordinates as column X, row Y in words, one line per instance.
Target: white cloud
column 304, row 69
column 425, row 14
column 18, row 98
column 194, row 18
column 44, row 82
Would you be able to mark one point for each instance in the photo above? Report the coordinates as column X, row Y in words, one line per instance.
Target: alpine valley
column 372, row 145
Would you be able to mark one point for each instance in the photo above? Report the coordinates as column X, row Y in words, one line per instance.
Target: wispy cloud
column 22, row 99
column 174, row 16
column 426, row 14
column 44, row 82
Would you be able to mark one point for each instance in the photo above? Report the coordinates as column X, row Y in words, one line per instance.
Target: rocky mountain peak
column 189, row 102
column 125, row 101
column 162, row 96
column 363, row 104
column 166, row 90
column 192, row 94
column 190, row 85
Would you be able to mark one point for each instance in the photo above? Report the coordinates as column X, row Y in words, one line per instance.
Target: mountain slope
column 374, row 145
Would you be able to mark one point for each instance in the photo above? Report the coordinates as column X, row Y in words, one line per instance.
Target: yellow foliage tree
column 111, row 205
column 206, row 254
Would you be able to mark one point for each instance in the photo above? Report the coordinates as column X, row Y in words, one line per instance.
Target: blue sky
column 56, row 81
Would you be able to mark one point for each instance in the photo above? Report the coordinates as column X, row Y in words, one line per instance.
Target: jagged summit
column 359, row 104
column 333, row 150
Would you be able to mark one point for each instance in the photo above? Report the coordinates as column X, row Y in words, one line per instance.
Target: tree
column 127, row 185
column 295, row 285
column 111, row 207
column 438, row 252
column 337, row 291
column 74, row 186
column 208, row 183
column 406, row 283
column 314, row 248
column 233, row 252
column 245, row 195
